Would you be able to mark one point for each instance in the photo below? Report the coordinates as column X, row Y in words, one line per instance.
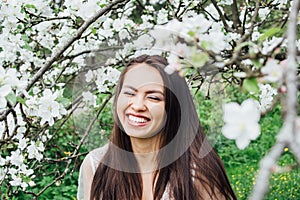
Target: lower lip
column 137, row 124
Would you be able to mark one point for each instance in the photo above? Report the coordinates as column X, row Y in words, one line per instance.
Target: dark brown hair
column 187, row 163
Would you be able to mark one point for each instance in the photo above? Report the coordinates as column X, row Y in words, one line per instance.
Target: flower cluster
column 103, row 77
column 45, row 107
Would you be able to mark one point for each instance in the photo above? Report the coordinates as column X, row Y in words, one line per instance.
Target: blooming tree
column 46, row 44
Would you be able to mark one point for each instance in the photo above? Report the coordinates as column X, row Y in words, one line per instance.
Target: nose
column 137, row 103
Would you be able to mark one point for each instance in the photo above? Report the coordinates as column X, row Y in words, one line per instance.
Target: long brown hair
column 187, row 164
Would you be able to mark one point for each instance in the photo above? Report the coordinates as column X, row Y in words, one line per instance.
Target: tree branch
column 77, row 36
column 235, row 15
column 237, row 51
column 288, row 133
column 222, row 17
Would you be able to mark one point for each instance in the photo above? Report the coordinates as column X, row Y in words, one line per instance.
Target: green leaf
column 199, row 59
column 256, row 63
column 21, row 100
column 250, row 85
column 27, row 47
column 191, row 33
column 30, row 6
column 11, row 98
column 269, row 33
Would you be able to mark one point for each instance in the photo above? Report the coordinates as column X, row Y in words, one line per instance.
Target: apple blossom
column 162, row 16
column 34, row 150
column 16, row 158
column 266, row 96
column 48, row 107
column 241, row 122
column 263, row 13
column 144, row 41
column 2, row 162
column 273, row 71
column 89, row 98
column 2, row 173
column 2, row 128
column 16, row 181
column 269, row 45
column 4, row 91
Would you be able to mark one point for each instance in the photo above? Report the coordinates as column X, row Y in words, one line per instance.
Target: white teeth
column 137, row 119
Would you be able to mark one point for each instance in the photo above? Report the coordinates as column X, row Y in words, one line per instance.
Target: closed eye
column 128, row 93
column 154, row 98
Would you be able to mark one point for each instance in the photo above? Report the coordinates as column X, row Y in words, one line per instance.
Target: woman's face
column 141, row 102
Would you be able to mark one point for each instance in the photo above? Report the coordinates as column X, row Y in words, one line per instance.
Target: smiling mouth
column 135, row 120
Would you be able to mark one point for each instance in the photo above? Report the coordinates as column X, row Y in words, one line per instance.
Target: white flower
column 17, row 181
column 266, row 96
column 144, row 41
column 112, row 75
column 214, row 41
column 25, row 171
column 280, row 2
column 4, row 91
column 174, row 64
column 241, row 122
column 181, row 50
column 31, row 183
column 118, row 24
column 2, row 128
column 89, row 98
column 89, row 76
column 2, row 162
column 22, row 143
column 16, row 158
column 123, row 34
column 32, row 106
column 213, row 11
column 272, row 70
column 269, row 45
column 162, row 16
column 255, row 35
column 2, row 172
column 34, row 150
column 263, row 12
column 49, row 108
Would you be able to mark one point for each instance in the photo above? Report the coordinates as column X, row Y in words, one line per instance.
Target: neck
column 145, row 151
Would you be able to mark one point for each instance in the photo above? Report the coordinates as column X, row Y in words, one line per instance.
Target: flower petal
column 231, row 131
column 242, row 142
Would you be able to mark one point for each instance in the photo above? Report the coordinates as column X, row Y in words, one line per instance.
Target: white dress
column 94, row 158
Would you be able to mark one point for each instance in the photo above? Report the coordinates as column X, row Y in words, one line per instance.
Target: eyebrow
column 147, row 92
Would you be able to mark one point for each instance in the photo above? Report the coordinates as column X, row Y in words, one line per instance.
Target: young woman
column 157, row 148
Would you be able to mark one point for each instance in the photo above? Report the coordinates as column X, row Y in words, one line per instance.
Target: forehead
column 140, row 75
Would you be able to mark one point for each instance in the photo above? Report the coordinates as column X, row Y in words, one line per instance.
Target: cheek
column 121, row 105
column 158, row 111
